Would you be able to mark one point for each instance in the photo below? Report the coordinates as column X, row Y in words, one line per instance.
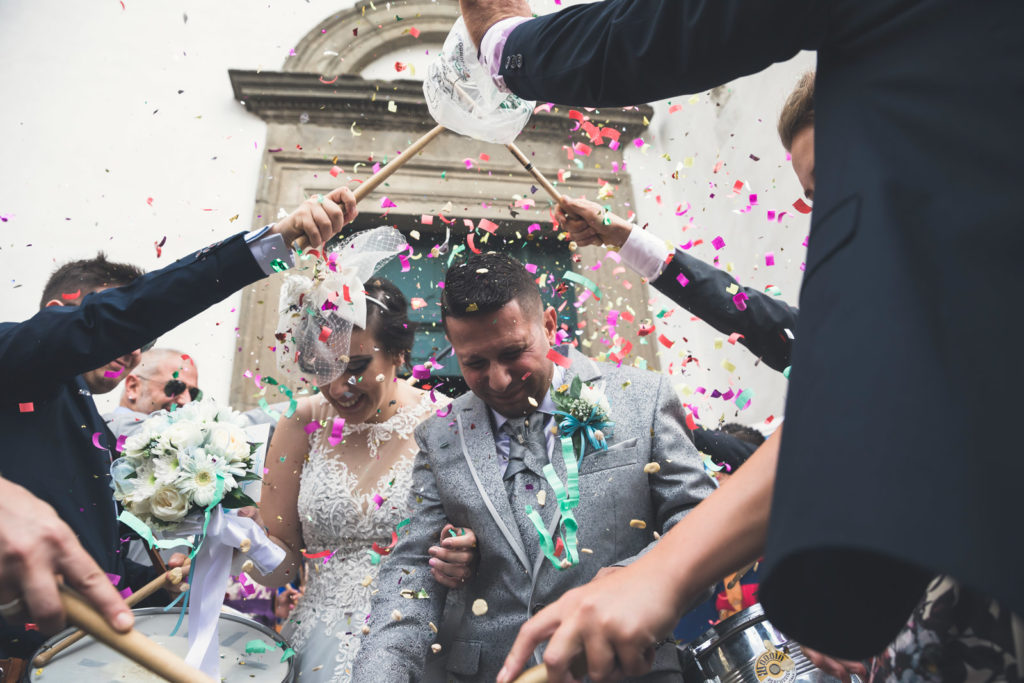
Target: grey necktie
column 527, row 455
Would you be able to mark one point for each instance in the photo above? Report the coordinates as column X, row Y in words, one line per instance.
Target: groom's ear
column 550, row 320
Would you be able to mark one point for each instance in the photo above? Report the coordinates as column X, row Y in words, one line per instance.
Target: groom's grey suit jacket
column 457, row 478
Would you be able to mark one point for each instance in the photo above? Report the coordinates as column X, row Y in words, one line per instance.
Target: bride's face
column 367, row 390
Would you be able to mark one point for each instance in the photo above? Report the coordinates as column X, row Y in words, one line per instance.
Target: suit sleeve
column 767, row 324
column 395, row 649
column 621, row 52
column 61, row 342
column 680, row 483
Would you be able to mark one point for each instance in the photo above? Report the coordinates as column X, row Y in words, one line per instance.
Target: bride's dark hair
column 390, row 326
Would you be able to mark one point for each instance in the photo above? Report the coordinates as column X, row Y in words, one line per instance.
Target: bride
column 340, row 468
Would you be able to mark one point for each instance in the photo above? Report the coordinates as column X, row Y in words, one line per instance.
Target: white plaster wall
column 94, row 127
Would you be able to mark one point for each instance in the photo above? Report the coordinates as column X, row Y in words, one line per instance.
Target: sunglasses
column 175, row 387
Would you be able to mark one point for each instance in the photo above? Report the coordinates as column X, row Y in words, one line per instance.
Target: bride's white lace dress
column 326, row 627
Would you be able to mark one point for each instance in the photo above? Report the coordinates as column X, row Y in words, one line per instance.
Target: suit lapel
column 482, row 459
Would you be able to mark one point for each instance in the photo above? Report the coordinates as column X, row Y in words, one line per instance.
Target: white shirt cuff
column 269, row 250
column 644, row 253
column 492, row 46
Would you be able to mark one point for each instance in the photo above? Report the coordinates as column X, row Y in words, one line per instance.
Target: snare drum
column 746, row 648
column 89, row 661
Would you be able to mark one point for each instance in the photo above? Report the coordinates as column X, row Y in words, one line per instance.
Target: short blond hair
column 798, row 112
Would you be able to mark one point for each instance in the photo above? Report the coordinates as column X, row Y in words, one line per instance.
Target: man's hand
column 839, row 668
column 320, row 217
column 615, row 620
column 453, row 562
column 480, row 15
column 585, row 221
column 36, row 547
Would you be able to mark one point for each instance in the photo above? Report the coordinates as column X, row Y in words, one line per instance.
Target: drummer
column 36, row 548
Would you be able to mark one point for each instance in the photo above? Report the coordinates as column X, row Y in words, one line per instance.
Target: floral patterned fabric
column 954, row 635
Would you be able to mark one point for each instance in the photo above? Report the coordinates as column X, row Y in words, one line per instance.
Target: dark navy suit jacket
column 897, row 462
column 50, row 449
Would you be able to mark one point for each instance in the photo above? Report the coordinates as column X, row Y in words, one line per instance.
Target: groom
column 481, row 464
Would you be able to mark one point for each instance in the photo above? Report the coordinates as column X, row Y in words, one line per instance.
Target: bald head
column 163, row 377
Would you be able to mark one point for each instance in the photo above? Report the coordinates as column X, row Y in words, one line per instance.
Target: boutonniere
column 584, row 415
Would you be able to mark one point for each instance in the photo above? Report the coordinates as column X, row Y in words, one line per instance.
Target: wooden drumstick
column 534, row 171
column 132, row 645
column 380, row 176
column 44, row 658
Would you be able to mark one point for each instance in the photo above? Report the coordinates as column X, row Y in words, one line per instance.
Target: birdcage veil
column 316, row 315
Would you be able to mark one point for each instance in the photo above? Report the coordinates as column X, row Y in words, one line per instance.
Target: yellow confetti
column 652, row 468
column 718, row 342
column 542, row 497
column 638, row 523
column 479, row 607
column 392, row 107
column 396, row 615
column 435, row 648
column 729, row 367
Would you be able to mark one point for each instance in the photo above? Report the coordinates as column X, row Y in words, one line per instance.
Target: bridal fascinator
column 314, row 329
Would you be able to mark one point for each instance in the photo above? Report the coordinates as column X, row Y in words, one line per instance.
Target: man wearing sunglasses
column 163, row 380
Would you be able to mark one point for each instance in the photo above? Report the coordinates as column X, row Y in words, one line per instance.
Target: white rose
column 229, row 416
column 183, row 435
column 136, row 443
column 228, row 441
column 168, row 504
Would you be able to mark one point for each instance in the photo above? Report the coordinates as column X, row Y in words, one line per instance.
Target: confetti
column 638, row 524
column 652, row 468
column 337, row 431
column 801, row 206
column 479, row 607
column 558, row 358
column 718, row 243
column 70, row 296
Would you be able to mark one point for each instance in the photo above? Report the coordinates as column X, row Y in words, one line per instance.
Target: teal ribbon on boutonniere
column 584, row 420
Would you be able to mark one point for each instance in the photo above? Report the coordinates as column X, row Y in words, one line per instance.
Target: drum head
column 89, row 661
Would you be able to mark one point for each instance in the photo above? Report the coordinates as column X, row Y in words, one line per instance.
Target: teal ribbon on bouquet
column 569, row 425
column 568, row 497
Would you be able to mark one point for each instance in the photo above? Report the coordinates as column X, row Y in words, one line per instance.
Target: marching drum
column 746, row 648
column 89, row 661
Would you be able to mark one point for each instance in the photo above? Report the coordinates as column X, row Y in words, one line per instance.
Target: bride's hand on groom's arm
column 453, row 561
column 320, row 217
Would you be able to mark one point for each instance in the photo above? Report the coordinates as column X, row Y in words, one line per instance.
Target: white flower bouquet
column 177, row 462
column 183, row 472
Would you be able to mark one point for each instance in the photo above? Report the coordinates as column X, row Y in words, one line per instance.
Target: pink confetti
column 558, row 358
column 801, row 206
column 325, row 332
column 26, row 407
column 386, row 203
column 119, row 446
column 682, row 280
column 531, row 268
column 740, row 300
column 718, row 242
column 421, row 372
column 312, row 427
column 414, row 32
column 378, row 500
column 417, row 303
column 735, row 337
column 487, row 225
column 427, row 219
column 337, row 431
column 111, row 373
column 533, row 228
column 468, row 162
column 335, row 170
column 96, row 441
column 769, row 259
column 405, row 263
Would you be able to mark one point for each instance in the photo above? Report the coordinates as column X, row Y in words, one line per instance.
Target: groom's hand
column 320, row 218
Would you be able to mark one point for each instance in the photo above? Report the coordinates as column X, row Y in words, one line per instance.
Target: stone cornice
column 282, row 97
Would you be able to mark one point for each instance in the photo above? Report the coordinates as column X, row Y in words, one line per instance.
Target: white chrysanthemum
column 198, row 476
column 167, row 468
column 227, row 441
column 205, row 410
column 142, row 486
column 136, row 444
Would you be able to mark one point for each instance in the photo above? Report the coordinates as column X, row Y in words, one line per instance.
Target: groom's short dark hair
column 483, row 283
